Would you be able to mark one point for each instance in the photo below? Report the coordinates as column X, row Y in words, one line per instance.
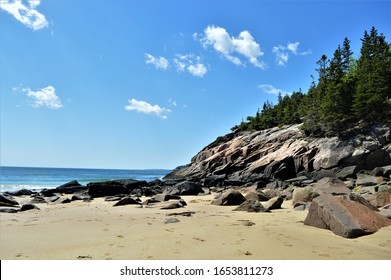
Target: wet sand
column 99, row 231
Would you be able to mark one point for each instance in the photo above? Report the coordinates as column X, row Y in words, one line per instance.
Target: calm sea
column 15, row 178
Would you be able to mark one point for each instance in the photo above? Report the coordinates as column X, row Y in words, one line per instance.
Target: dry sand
column 99, row 231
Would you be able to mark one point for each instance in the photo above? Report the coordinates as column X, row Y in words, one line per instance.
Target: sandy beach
column 99, row 231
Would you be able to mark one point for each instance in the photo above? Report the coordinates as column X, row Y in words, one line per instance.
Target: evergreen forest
column 349, row 93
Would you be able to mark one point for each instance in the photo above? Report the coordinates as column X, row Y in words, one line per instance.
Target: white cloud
column 146, row 108
column 45, row 97
column 269, row 89
column 191, row 63
column 181, row 66
column 172, row 102
column 26, row 13
column 198, row 70
column 228, row 46
column 158, row 62
column 282, row 55
column 293, row 47
column 282, row 52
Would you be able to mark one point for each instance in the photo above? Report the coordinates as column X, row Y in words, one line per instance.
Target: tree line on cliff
column 348, row 93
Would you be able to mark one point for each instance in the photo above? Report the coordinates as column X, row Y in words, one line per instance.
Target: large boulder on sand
column 251, row 205
column 345, row 218
column 127, row 201
column 230, row 197
column 8, row 200
column 306, row 194
column 273, row 203
column 108, row 188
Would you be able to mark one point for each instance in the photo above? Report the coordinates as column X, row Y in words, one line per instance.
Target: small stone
column 171, row 220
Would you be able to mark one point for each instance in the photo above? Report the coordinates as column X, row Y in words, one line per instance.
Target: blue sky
column 147, row 84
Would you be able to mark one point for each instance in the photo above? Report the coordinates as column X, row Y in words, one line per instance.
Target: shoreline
column 97, row 230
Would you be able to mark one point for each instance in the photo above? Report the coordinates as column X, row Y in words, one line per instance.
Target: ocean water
column 15, row 178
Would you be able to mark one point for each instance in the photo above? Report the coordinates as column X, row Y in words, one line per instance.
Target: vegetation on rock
column 349, row 93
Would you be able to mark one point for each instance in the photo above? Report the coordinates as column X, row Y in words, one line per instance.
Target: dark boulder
column 81, row 196
column 165, row 197
column 377, row 158
column 230, row 197
column 26, row 207
column 108, row 188
column 214, row 180
column 70, row 187
column 282, row 170
column 37, row 200
column 345, row 218
column 251, row 205
column 257, row 196
column 131, row 184
column 273, row 203
column 184, row 188
column 128, row 201
column 53, row 198
column 151, row 191
column 49, row 192
column 21, row 192
column 7, row 199
column 64, row 200
column 174, row 205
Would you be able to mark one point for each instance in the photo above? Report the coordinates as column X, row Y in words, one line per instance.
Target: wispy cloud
column 282, row 52
column 146, row 108
column 230, row 47
column 269, row 89
column 26, row 13
column 191, row 63
column 45, row 97
column 159, row 62
column 172, row 102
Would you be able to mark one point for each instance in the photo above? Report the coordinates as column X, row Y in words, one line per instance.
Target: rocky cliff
column 285, row 153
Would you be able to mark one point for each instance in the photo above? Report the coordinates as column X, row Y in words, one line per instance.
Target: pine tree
column 371, row 99
column 332, row 108
column 346, row 54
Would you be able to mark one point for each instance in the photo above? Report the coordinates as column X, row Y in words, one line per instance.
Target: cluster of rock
column 356, row 170
column 162, row 194
column 284, row 153
column 344, row 184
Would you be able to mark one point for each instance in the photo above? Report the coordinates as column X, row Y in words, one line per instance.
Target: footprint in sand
column 120, row 236
column 324, row 255
column 199, row 239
